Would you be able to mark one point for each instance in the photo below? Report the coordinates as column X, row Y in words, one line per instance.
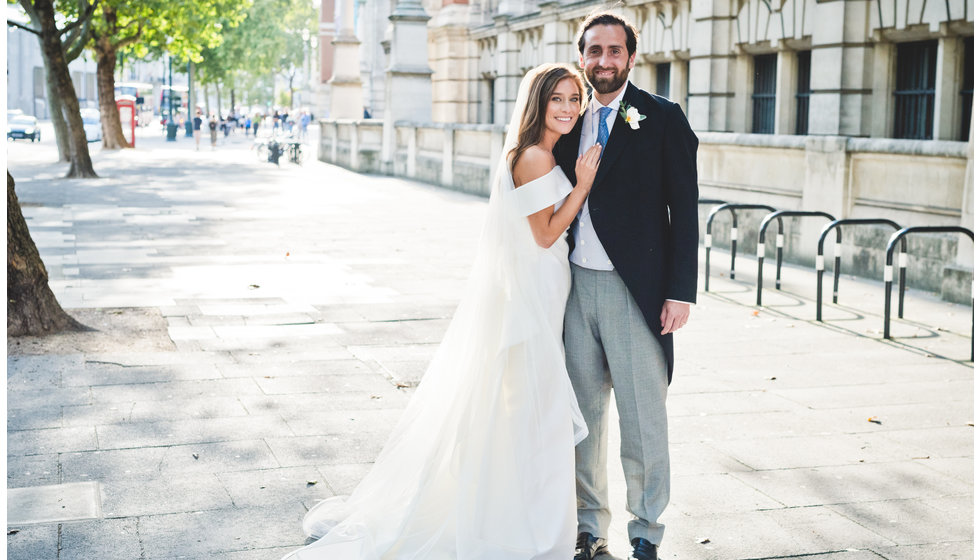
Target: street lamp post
column 171, row 125
column 189, row 125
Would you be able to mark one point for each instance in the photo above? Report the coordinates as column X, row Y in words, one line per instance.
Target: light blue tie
column 603, row 128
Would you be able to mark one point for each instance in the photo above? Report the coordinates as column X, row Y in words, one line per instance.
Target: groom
column 634, row 277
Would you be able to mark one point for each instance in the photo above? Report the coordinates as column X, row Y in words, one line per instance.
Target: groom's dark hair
column 607, row 18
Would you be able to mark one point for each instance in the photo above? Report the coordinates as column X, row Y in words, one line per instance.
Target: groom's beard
column 607, row 85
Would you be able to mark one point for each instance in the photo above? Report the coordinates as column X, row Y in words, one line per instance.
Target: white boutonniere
column 631, row 115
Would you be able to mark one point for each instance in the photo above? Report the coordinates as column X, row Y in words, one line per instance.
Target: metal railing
column 836, row 226
column 761, row 249
column 895, row 238
column 732, row 208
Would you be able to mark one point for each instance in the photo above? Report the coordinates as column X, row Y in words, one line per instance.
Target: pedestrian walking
column 304, row 123
column 213, row 126
column 197, row 130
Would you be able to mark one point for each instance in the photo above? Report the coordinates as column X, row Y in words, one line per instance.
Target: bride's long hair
column 543, row 84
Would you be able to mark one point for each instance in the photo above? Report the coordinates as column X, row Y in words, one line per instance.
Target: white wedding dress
column 481, row 466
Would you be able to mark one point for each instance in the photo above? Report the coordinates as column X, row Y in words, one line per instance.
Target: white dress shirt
column 588, row 251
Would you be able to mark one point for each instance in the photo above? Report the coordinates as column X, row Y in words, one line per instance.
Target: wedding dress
column 481, row 465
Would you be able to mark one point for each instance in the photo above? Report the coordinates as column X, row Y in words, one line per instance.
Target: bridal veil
column 485, row 442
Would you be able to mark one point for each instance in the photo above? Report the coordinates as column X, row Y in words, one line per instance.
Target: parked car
column 23, row 126
column 92, row 121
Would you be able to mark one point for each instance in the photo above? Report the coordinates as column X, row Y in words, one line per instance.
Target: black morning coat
column 644, row 204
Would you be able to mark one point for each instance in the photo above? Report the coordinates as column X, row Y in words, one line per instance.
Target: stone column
column 678, row 83
column 785, row 92
column 964, row 255
column 408, row 79
column 346, row 96
column 944, row 123
column 882, row 83
column 556, row 41
column 958, row 278
column 711, row 95
column 454, row 82
column 508, row 79
column 325, row 44
column 743, row 84
column 842, row 63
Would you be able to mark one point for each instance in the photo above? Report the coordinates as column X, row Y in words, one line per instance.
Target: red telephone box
column 126, row 104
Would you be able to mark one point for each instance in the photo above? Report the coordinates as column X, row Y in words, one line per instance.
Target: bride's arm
column 547, row 225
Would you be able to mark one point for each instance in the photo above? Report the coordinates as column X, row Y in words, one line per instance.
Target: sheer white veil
column 436, row 456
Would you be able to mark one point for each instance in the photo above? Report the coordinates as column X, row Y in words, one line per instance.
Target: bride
column 481, row 465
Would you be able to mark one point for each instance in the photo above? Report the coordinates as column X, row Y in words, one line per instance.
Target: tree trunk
column 52, row 49
column 57, row 115
column 217, row 87
column 105, row 59
column 207, row 103
column 31, row 306
column 233, row 99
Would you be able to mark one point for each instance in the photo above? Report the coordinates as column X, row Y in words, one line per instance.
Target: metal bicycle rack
column 900, row 236
column 711, row 201
column 761, row 250
column 836, row 226
column 732, row 208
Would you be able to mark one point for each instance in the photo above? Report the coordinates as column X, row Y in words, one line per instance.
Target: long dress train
column 481, row 465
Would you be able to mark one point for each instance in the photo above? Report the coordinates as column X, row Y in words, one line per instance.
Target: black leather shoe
column 643, row 549
column 588, row 547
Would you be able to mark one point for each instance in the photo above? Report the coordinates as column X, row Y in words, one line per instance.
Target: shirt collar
column 594, row 104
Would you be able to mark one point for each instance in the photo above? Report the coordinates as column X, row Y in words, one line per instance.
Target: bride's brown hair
column 539, row 94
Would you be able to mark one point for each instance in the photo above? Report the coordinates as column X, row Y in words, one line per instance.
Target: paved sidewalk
column 260, row 329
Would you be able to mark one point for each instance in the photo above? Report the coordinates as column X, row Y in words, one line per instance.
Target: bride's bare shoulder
column 534, row 163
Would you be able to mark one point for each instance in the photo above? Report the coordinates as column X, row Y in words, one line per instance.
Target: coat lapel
column 618, row 139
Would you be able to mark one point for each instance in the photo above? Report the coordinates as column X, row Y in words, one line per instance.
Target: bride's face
column 564, row 107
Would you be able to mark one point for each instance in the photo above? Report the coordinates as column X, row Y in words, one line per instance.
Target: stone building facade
column 857, row 108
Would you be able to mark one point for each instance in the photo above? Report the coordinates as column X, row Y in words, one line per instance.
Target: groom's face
column 605, row 59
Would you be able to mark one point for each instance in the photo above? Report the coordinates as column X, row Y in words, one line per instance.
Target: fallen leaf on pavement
column 311, row 482
column 704, row 541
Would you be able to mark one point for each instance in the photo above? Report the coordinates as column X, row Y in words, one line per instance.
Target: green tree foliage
column 151, row 27
column 275, row 38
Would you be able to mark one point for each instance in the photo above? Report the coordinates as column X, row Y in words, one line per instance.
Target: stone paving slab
column 32, row 470
column 864, row 482
column 53, row 503
column 204, row 430
column 261, row 328
column 110, row 539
